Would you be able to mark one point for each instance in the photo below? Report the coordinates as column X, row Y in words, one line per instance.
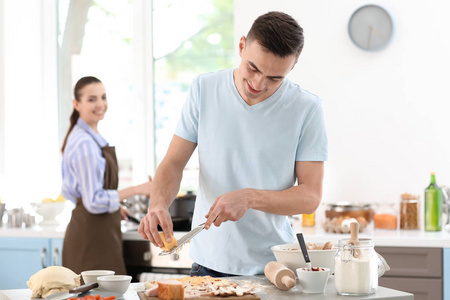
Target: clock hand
column 377, row 32
column 370, row 36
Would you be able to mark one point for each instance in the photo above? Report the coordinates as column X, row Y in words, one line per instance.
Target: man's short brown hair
column 278, row 32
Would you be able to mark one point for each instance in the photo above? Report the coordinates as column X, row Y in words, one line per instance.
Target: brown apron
column 94, row 241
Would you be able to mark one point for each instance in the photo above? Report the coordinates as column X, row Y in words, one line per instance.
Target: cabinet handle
column 55, row 257
column 43, row 255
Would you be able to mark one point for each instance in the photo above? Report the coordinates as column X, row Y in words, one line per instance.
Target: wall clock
column 370, row 27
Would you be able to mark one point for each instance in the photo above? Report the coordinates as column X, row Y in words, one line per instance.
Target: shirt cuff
column 113, row 200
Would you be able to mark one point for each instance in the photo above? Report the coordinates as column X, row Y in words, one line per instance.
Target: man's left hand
column 229, row 207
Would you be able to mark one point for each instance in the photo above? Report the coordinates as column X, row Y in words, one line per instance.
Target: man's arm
column 165, row 188
column 302, row 198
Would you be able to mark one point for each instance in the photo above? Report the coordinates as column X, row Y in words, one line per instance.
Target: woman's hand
column 144, row 188
column 124, row 212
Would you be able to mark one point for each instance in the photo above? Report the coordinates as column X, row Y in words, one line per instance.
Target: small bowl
column 291, row 256
column 92, row 275
column 114, row 283
column 313, row 282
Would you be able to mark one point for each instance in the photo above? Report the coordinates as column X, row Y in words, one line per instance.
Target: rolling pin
column 279, row 275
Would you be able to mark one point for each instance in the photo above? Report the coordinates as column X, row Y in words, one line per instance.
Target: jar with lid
column 357, row 267
column 409, row 211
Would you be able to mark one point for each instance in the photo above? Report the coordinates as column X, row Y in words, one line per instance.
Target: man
column 257, row 133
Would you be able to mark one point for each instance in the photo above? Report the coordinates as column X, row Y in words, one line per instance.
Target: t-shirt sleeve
column 313, row 141
column 187, row 127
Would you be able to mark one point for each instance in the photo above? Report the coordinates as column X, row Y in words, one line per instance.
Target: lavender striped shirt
column 83, row 169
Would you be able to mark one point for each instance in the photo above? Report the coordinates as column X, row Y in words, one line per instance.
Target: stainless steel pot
column 348, row 209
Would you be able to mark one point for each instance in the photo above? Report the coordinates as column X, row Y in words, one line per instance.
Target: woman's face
column 93, row 104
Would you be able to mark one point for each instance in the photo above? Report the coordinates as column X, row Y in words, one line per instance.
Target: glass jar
column 308, row 220
column 409, row 211
column 357, row 267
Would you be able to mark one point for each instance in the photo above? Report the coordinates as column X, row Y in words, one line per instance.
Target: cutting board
column 245, row 297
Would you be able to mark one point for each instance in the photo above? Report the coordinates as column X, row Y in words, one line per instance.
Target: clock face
column 370, row 27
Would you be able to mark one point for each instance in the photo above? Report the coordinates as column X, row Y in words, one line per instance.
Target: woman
column 93, row 237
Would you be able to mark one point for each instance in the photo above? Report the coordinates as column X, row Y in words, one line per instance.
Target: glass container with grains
column 409, row 211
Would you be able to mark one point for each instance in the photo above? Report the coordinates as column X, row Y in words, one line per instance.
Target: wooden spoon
column 354, row 229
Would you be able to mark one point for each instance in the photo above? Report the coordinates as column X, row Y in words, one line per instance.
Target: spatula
column 301, row 241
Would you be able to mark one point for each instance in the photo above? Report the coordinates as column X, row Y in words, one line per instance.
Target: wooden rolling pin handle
column 282, row 277
column 354, row 229
column 288, row 281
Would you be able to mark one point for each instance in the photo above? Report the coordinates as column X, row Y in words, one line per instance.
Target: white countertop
column 25, row 294
column 265, row 290
column 382, row 238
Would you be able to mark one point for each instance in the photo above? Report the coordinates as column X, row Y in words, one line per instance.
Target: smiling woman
column 90, row 181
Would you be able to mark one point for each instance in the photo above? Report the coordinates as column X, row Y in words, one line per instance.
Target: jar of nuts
column 409, row 211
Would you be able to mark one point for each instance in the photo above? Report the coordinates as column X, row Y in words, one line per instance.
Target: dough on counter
column 53, row 280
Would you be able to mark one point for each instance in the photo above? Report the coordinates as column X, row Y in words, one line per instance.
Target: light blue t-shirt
column 242, row 146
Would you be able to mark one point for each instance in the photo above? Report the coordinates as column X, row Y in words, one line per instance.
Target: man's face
column 260, row 73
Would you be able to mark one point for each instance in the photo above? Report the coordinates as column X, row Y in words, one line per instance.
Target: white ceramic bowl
column 114, row 283
column 91, row 275
column 49, row 210
column 291, row 256
column 313, row 282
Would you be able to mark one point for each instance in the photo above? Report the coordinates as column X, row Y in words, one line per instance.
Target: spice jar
column 409, row 211
column 357, row 268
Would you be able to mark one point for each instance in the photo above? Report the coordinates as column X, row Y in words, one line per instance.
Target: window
column 204, row 43
column 146, row 55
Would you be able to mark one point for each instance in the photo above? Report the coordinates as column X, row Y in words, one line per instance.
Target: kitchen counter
column 382, row 238
column 264, row 289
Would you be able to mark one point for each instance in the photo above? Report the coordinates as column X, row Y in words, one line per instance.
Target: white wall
column 386, row 111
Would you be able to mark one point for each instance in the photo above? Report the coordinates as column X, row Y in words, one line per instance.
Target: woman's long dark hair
column 75, row 115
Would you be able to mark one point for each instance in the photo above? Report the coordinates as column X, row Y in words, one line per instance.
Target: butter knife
column 73, row 292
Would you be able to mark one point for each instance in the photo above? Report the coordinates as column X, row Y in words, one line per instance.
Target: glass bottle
column 308, row 220
column 433, row 206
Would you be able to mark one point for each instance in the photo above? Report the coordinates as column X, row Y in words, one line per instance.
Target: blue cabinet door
column 20, row 258
column 446, row 275
column 56, row 246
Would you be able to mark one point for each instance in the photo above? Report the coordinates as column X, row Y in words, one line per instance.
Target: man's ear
column 241, row 45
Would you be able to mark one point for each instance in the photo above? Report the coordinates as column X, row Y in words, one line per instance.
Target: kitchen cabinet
column 415, row 270
column 22, row 257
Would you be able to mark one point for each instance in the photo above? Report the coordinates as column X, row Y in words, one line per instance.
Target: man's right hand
column 148, row 228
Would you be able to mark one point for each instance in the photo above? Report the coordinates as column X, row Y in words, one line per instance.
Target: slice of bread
column 170, row 289
column 168, row 246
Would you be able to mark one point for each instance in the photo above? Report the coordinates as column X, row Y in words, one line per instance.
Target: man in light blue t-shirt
column 257, row 133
